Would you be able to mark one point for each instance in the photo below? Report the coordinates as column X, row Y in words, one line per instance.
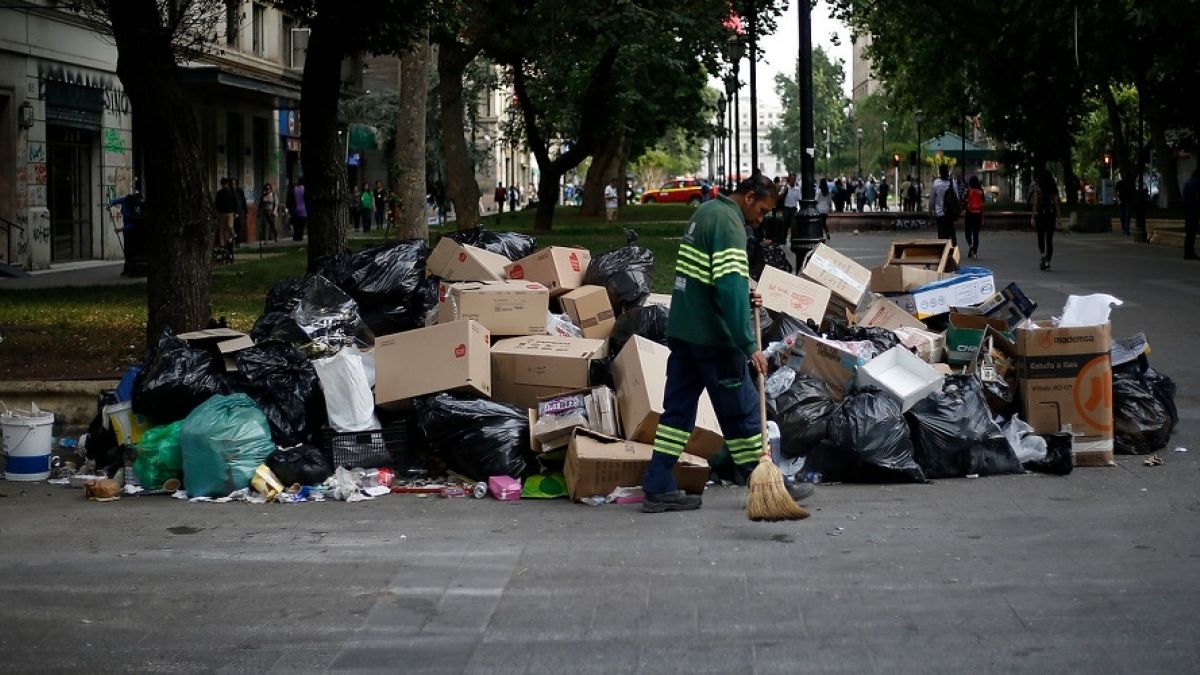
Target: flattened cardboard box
column 884, row 313
column 847, row 279
column 503, row 307
column 828, row 362
column 902, row 278
column 453, row 261
column 1066, row 378
column 598, row 464
column 453, row 356
column 591, row 310
column 558, row 268
column 525, row 369
column 791, row 295
column 223, row 342
column 640, row 373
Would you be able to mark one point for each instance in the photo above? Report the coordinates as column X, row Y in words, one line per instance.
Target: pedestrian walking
column 240, row 209
column 839, row 196
column 711, row 340
column 610, row 201
column 973, row 220
column 381, row 204
column 940, row 197
column 824, row 199
column 366, row 206
column 791, row 200
column 1191, row 215
column 226, row 205
column 1045, row 215
column 872, row 193
column 268, row 207
column 297, row 209
column 132, row 229
column 498, row 198
column 860, row 194
column 884, row 189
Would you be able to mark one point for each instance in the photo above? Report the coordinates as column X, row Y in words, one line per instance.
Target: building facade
column 504, row 159
column 863, row 82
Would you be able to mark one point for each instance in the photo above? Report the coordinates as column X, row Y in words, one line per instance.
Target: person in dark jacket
column 240, row 209
column 226, row 205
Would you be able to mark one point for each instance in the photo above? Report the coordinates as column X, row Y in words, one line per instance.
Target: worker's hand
column 760, row 361
column 755, row 299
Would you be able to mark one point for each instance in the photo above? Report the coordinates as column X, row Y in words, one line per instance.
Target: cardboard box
column 847, row 279
column 1010, row 305
column 1066, row 379
column 791, row 295
column 597, row 410
column 503, row 307
column 525, row 369
column 902, row 278
column 640, row 373
column 223, row 342
column 590, row 309
column 902, row 375
column 937, row 255
column 448, row 357
column 558, row 268
column 504, row 488
column 964, row 334
column 883, row 313
column 598, row 464
column 453, row 261
column 826, row 361
column 933, row 300
column 930, row 347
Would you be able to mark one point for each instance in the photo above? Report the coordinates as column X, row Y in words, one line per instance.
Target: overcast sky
column 781, row 47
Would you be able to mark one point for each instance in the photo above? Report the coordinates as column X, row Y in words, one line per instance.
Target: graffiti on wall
column 116, row 102
column 36, row 196
column 35, row 153
column 39, row 174
column 114, row 142
column 40, row 228
column 22, row 236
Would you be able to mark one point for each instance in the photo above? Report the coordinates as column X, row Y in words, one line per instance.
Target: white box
column 902, row 375
column 926, row 302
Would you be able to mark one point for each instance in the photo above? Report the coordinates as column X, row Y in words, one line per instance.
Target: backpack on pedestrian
column 951, row 206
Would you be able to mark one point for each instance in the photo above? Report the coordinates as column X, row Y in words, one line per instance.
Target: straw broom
column 769, row 499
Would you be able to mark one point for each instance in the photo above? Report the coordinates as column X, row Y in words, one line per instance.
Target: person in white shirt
column 824, row 199
column 790, row 198
column 610, row 201
column 937, row 201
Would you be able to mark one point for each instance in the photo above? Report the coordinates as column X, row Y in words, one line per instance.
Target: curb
column 73, row 402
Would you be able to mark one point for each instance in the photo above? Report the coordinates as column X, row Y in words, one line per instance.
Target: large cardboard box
column 847, row 279
column 1066, row 378
column 1010, row 305
column 591, row 310
column 598, row 464
column 964, row 335
column 937, row 255
column 453, row 261
column 503, row 307
column 930, row 301
column 558, row 268
column 223, row 342
column 902, row 278
column 826, row 361
column 525, row 369
column 791, row 295
column 640, row 373
column 448, row 357
column 883, row 313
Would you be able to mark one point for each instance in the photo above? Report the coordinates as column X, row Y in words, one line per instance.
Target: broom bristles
column 769, row 500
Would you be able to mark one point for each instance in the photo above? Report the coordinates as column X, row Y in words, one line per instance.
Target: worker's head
column 943, row 171
column 791, row 179
column 755, row 196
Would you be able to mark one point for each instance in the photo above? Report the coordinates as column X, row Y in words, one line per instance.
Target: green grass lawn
column 86, row 332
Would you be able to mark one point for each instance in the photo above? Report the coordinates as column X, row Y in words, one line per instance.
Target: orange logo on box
column 462, row 256
column 517, row 272
column 1093, row 393
column 460, row 351
column 443, row 291
column 574, row 258
column 1045, row 340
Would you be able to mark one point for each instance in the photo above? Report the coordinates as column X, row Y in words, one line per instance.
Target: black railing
column 8, row 226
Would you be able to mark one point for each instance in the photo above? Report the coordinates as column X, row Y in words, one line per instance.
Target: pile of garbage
column 486, row 366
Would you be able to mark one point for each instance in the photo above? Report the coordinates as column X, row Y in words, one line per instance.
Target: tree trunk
column 1121, row 155
column 461, row 185
column 602, row 170
column 180, row 222
column 323, row 159
column 548, row 182
column 1070, row 180
column 409, row 162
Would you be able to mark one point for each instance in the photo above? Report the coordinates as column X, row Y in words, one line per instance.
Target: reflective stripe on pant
column 724, row 374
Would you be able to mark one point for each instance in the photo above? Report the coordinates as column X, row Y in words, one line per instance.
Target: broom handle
column 762, row 387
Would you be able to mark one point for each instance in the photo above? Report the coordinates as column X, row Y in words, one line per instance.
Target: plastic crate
column 386, row 447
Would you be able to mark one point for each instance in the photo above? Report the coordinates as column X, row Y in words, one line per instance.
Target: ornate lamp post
column 808, row 225
column 731, row 90
column 858, row 134
column 919, row 118
column 722, row 167
column 883, row 127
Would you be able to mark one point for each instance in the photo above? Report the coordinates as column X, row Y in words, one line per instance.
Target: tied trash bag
column 224, row 441
column 802, row 413
column 279, row 327
column 476, row 437
column 301, row 465
column 868, row 442
column 388, row 274
column 285, row 295
column 175, row 379
column 327, row 313
column 648, row 321
column 1060, row 455
column 956, row 436
column 511, row 245
column 1144, row 412
column 783, row 326
column 159, row 456
column 774, row 256
column 627, row 273
column 285, row 386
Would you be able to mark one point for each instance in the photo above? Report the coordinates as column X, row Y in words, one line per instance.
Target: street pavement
column 1093, row 572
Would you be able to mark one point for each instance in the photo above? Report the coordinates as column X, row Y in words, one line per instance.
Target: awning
column 951, row 145
column 363, row 137
column 212, row 76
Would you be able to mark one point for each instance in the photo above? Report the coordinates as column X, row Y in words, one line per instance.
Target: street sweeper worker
column 712, row 343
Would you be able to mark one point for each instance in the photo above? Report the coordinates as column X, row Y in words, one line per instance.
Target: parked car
column 685, row 190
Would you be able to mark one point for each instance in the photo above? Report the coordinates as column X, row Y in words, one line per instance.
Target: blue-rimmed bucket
column 28, row 439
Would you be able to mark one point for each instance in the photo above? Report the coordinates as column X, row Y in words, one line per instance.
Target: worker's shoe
column 799, row 491
column 662, row 502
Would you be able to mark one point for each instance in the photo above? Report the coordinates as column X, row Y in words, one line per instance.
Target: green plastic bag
column 544, row 486
column 160, row 457
column 224, row 440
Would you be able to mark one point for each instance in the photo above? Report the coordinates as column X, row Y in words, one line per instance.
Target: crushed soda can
column 480, row 490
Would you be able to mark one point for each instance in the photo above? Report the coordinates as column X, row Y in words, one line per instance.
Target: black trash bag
column 955, row 435
column 775, row 256
column 303, row 464
column 476, row 437
column 284, row 385
column 285, row 295
column 648, row 321
column 627, row 273
column 326, row 312
column 101, row 446
column 1059, row 460
column 881, row 339
column 868, row 442
column 802, row 413
column 511, row 245
column 409, row 315
column 754, row 252
column 176, row 379
column 600, row 372
column 385, row 275
column 784, row 326
column 278, row 327
column 1144, row 412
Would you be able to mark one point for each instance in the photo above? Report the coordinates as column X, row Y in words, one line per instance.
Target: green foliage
column 829, row 112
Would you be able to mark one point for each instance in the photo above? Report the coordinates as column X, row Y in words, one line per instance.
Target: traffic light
column 896, row 160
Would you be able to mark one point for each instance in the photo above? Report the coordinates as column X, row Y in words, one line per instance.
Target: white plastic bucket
column 126, row 426
column 27, row 443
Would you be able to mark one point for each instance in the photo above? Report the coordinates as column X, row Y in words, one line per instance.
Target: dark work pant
column 380, row 216
column 1045, row 232
column 725, row 375
column 972, row 225
column 366, row 219
column 945, row 227
column 298, row 223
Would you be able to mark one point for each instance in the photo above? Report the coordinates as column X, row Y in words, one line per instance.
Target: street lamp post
column 858, row 133
column 919, row 117
column 883, row 127
column 731, row 92
column 753, row 88
column 721, row 101
column 808, row 225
